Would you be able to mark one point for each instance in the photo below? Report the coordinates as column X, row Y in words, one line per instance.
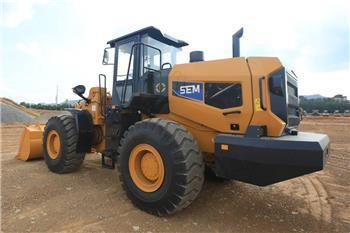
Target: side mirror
column 107, row 53
column 79, row 90
column 105, row 57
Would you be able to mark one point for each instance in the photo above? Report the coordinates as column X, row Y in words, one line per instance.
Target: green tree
column 323, row 104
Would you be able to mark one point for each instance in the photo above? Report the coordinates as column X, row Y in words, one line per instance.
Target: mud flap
column 265, row 160
column 85, row 128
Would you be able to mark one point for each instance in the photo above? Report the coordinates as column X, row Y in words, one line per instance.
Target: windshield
column 151, row 58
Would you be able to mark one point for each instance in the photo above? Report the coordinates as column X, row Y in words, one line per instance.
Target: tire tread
column 70, row 160
column 188, row 161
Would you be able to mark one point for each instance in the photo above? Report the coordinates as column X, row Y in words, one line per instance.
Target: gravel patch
column 10, row 115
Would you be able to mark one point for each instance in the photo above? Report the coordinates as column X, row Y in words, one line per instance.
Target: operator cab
column 142, row 62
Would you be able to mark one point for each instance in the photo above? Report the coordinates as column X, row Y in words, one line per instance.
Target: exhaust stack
column 235, row 43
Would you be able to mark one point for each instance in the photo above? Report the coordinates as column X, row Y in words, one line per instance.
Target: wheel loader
column 164, row 125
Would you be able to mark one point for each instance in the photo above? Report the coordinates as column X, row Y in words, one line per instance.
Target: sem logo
column 188, row 90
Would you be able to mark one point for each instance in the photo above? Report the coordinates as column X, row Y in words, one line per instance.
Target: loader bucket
column 31, row 143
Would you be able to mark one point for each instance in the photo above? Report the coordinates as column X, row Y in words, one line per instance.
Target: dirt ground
column 92, row 200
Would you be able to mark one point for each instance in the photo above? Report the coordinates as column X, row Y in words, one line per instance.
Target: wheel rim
column 146, row 168
column 53, row 144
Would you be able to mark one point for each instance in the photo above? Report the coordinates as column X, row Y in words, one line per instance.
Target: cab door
column 126, row 60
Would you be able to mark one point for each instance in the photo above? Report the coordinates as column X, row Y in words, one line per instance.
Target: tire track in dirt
column 313, row 193
column 317, row 199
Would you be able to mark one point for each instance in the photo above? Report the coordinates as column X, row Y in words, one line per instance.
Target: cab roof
column 153, row 32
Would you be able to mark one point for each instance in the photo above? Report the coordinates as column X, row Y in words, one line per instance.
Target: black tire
column 183, row 162
column 67, row 160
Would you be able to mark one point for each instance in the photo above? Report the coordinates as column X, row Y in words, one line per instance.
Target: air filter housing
column 196, row 56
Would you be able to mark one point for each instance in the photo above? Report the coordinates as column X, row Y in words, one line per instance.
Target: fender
column 84, row 124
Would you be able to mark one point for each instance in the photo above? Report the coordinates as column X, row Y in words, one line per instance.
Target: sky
column 46, row 43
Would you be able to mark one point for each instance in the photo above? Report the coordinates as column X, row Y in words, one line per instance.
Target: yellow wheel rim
column 53, row 144
column 146, row 168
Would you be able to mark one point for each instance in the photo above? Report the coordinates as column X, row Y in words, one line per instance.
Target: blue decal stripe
column 188, row 90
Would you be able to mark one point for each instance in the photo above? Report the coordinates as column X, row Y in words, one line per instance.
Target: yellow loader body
column 165, row 125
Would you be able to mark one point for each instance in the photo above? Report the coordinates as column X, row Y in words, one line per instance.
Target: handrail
column 104, row 101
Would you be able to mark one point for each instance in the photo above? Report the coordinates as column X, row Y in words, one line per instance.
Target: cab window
column 151, row 57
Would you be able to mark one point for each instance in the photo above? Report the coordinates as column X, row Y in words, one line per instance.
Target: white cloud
column 32, row 48
column 324, row 83
column 15, row 12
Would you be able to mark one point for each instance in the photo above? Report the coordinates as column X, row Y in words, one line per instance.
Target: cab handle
column 262, row 105
column 231, row 112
